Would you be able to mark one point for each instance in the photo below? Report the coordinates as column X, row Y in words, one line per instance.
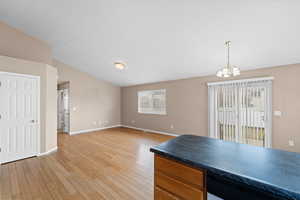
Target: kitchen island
column 187, row 167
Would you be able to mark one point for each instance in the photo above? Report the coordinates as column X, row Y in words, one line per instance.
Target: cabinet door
column 160, row 194
column 181, row 172
column 174, row 180
column 178, row 188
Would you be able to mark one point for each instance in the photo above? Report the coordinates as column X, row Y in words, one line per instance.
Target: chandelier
column 228, row 70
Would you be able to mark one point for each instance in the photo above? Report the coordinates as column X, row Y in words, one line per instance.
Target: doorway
column 19, row 116
column 63, row 108
column 241, row 111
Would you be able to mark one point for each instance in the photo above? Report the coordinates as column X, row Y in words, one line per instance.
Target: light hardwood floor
column 113, row 164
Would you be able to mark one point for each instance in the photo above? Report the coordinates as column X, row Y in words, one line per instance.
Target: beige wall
column 48, row 94
column 14, row 43
column 187, row 105
column 51, row 107
column 24, row 54
column 97, row 102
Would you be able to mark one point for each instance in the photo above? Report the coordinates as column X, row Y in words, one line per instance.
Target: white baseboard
column 92, row 130
column 48, row 152
column 150, row 131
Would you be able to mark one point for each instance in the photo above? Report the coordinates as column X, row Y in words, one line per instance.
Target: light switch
column 277, row 113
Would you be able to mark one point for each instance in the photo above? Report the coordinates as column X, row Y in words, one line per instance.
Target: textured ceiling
column 160, row 39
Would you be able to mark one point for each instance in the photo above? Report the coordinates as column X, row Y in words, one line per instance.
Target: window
column 152, row 102
column 241, row 111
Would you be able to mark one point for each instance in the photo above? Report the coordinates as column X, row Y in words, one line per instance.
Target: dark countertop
column 274, row 172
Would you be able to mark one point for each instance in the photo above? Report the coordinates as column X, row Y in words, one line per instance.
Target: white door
column 19, row 116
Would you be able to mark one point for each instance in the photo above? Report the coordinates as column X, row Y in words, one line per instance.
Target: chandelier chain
column 227, row 43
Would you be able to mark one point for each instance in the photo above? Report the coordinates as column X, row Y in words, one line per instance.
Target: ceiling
column 160, row 39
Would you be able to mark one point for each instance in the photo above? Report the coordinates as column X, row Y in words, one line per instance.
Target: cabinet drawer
column 180, row 171
column 160, row 194
column 178, row 188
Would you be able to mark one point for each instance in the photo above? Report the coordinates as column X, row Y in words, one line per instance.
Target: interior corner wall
column 51, row 108
column 48, row 94
column 23, row 54
column 16, row 44
column 94, row 103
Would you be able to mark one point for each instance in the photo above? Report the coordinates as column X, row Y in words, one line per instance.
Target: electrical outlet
column 291, row 143
column 74, row 108
column 172, row 126
column 94, row 123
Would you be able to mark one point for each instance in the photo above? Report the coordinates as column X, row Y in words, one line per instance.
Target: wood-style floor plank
column 113, row 164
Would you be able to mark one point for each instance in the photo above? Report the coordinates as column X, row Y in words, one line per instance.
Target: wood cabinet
column 176, row 181
column 160, row 194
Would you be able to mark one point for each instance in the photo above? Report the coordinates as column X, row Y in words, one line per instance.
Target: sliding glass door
column 240, row 111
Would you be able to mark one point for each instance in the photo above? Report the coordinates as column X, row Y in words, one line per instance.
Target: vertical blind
column 241, row 111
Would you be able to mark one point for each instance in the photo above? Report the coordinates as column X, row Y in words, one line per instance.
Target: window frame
column 164, row 112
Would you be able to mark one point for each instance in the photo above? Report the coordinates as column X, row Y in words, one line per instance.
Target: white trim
column 150, row 131
column 39, row 115
column 92, row 130
column 269, row 120
column 241, row 81
column 19, row 75
column 48, row 152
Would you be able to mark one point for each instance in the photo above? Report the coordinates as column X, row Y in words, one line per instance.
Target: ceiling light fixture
column 228, row 70
column 120, row 65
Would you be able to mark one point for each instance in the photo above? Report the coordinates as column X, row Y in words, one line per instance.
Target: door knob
column 32, row 121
